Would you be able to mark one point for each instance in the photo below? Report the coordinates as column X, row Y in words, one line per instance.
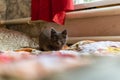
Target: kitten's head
column 58, row 39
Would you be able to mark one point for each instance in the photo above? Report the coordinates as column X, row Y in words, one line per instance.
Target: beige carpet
column 10, row 40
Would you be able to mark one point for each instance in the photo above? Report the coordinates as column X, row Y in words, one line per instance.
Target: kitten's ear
column 53, row 31
column 64, row 32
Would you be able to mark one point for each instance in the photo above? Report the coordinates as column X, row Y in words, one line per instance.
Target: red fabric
column 50, row 10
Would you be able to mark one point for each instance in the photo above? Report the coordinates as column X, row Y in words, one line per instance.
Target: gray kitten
column 50, row 39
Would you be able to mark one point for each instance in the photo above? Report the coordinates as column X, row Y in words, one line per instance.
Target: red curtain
column 50, row 10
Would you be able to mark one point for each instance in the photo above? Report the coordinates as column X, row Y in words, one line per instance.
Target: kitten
column 50, row 39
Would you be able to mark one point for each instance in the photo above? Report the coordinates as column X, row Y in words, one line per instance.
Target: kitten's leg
column 41, row 49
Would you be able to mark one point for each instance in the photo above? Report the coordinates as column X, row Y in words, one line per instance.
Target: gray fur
column 50, row 39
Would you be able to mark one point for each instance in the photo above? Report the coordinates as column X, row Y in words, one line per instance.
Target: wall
column 95, row 26
column 2, row 9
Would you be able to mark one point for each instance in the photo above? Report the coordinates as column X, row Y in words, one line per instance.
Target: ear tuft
column 53, row 30
column 64, row 32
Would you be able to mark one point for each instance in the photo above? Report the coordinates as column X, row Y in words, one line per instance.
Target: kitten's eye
column 64, row 36
column 55, row 38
